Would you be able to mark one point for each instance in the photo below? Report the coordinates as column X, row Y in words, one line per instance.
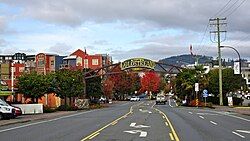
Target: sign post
column 205, row 94
column 196, row 87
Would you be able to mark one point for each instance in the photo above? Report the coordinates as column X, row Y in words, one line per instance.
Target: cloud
column 28, row 51
column 191, row 14
column 101, row 42
column 3, row 43
column 60, row 49
column 3, row 24
column 151, row 51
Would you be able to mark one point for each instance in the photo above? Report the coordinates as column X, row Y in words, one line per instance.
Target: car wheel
column 1, row 116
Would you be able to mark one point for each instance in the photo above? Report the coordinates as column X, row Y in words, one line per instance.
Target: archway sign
column 137, row 64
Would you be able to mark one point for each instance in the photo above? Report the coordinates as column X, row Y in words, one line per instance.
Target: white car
column 134, row 98
column 247, row 96
column 6, row 111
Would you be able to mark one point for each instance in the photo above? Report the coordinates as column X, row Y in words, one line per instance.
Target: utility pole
column 217, row 23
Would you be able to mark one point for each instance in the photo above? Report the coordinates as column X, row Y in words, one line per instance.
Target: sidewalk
column 27, row 118
column 240, row 110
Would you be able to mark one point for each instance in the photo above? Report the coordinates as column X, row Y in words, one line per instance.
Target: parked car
column 247, row 96
column 18, row 111
column 6, row 111
column 103, row 100
column 134, row 98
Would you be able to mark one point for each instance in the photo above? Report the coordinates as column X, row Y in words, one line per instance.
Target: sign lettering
column 137, row 63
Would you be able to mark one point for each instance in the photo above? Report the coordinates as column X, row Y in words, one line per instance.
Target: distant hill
column 186, row 59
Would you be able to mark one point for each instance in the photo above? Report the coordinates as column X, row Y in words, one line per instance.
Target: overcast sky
column 154, row 29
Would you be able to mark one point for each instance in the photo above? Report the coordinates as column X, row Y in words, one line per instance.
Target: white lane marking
column 166, row 123
column 153, row 105
column 238, row 117
column 169, row 103
column 145, row 111
column 201, row 117
column 243, row 131
column 238, row 134
column 138, row 126
column 124, row 104
column 207, row 114
column 227, row 114
column 190, row 113
column 36, row 123
column 213, row 122
column 142, row 133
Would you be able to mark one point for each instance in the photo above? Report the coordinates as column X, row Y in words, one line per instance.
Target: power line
column 202, row 45
column 222, row 8
column 242, row 39
column 235, row 8
column 229, row 7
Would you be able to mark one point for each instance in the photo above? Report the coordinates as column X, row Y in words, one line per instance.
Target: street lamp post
column 237, row 54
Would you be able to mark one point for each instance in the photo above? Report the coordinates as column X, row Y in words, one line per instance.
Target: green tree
column 185, row 81
column 33, row 85
column 230, row 81
column 94, row 87
column 67, row 84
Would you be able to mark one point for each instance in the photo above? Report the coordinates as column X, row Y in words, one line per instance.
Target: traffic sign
column 196, row 87
column 205, row 93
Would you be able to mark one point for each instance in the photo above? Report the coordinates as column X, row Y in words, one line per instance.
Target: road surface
column 135, row 121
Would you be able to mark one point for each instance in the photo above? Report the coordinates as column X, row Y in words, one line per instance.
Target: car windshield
column 3, row 103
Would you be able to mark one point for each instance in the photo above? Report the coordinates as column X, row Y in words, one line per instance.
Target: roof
column 79, row 51
column 70, row 57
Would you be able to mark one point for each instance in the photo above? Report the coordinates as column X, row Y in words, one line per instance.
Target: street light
column 237, row 54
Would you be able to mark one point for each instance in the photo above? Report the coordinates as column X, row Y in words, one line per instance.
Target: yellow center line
column 94, row 136
column 171, row 136
column 170, row 125
column 114, row 123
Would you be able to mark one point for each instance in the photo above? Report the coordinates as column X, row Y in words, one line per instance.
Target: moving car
column 6, row 111
column 161, row 99
column 134, row 98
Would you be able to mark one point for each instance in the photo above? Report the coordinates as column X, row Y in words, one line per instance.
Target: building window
column 52, row 63
column 40, row 63
column 94, row 61
column 21, row 69
column 86, row 63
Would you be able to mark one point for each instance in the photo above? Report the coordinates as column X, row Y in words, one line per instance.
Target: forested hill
column 186, row 59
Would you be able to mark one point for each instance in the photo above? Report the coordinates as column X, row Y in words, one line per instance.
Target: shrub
column 48, row 110
column 67, row 108
column 95, row 106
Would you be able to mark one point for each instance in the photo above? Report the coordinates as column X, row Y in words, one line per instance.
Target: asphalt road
column 135, row 121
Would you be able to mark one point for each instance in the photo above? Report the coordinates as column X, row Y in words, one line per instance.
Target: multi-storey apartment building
column 80, row 59
column 46, row 63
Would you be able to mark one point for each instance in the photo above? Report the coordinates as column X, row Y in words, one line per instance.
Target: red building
column 46, row 63
column 80, row 59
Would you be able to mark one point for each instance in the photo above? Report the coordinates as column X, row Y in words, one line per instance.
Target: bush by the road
column 216, row 100
column 48, row 109
column 67, row 108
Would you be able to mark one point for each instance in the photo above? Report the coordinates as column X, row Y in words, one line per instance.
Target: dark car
column 18, row 111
